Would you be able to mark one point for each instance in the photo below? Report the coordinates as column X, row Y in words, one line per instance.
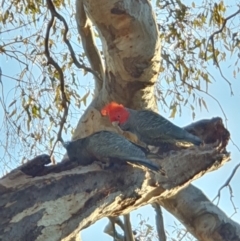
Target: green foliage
column 189, row 45
column 144, row 231
column 35, row 108
column 34, row 111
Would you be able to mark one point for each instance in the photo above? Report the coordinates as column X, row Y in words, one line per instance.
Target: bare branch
column 65, row 101
column 231, row 199
column 111, row 230
column 74, row 190
column 16, row 58
column 211, row 96
column 76, row 194
column 159, row 222
column 227, row 183
column 193, row 208
column 128, row 228
column 211, row 39
column 119, row 222
column 54, row 13
column 184, row 235
column 91, row 51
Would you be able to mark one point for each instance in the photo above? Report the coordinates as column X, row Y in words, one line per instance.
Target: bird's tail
column 193, row 139
column 146, row 163
column 66, row 144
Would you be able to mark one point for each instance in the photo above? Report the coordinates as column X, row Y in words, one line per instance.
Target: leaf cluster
column 192, row 42
column 31, row 93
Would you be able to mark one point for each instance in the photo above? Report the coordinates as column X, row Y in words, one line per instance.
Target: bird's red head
column 115, row 112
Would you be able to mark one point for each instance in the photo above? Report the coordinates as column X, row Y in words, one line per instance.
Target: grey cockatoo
column 108, row 146
column 150, row 127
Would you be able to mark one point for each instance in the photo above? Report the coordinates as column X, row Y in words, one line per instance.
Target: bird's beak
column 115, row 123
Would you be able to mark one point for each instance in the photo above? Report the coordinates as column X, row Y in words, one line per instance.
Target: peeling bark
column 54, row 202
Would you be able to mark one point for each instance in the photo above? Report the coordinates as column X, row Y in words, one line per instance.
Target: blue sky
column 210, row 182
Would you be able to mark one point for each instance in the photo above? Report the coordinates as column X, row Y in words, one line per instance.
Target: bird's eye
column 118, row 117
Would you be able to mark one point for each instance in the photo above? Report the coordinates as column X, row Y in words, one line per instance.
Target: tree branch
column 90, row 49
column 54, row 14
column 125, row 29
column 111, row 230
column 159, row 222
column 70, row 198
column 208, row 222
column 227, row 183
column 50, row 60
column 128, row 228
column 211, row 39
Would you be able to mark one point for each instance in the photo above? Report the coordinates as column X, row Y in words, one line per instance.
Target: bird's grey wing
column 108, row 145
column 153, row 125
column 146, row 163
column 157, row 126
column 105, row 143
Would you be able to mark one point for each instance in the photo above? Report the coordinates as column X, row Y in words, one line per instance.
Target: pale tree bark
column 200, row 216
column 40, row 202
column 131, row 48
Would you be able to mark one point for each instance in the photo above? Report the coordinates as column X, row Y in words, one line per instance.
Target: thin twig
column 89, row 46
column 21, row 26
column 235, row 144
column 10, row 77
column 180, row 75
column 65, row 101
column 231, row 199
column 184, row 235
column 225, row 116
column 61, row 18
column 227, row 183
column 211, row 39
column 16, row 58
